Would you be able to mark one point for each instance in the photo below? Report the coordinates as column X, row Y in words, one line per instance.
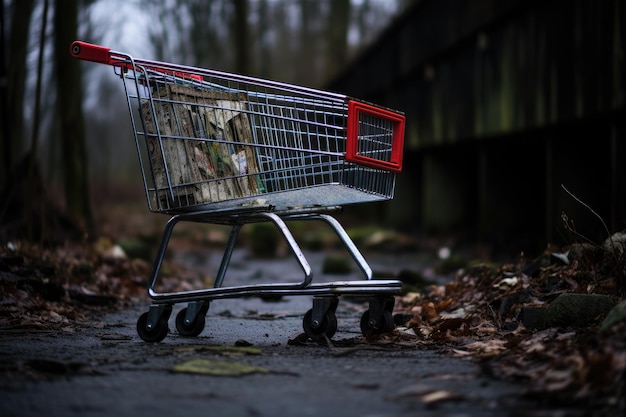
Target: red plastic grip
column 357, row 109
column 90, row 52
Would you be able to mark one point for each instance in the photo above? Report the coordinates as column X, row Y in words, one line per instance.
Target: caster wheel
column 385, row 326
column 154, row 335
column 328, row 327
column 192, row 329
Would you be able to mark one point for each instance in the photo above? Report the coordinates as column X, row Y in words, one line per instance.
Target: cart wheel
column 386, row 323
column 192, row 329
column 154, row 335
column 327, row 327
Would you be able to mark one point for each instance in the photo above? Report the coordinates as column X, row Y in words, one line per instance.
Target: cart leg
column 379, row 318
column 295, row 248
column 221, row 273
column 195, row 309
column 348, row 243
column 286, row 233
column 218, row 291
column 321, row 307
column 156, row 313
column 320, row 322
column 190, row 320
column 167, row 233
column 152, row 326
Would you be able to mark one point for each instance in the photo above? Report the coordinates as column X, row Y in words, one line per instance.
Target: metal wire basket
column 223, row 148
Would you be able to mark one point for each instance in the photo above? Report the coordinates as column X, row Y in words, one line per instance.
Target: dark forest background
column 66, row 134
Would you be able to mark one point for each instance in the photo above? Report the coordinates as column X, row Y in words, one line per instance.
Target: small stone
column 615, row 316
column 616, row 244
column 242, row 343
column 532, row 317
column 577, row 310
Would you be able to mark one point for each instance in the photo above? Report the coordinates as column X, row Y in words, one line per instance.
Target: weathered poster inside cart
column 203, row 147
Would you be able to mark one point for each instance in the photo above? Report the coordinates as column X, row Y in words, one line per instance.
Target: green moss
column 337, row 264
column 264, row 240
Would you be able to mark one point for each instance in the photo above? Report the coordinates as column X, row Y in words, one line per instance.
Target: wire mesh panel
column 303, row 141
column 224, row 141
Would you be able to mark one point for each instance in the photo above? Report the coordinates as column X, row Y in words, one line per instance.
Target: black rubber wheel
column 328, row 326
column 154, row 335
column 387, row 324
column 192, row 329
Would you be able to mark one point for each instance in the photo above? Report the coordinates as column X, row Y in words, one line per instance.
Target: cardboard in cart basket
column 203, row 148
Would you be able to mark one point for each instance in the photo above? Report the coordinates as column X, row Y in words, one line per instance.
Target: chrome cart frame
column 221, row 148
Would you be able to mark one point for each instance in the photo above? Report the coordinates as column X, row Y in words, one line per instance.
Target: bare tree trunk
column 31, row 185
column 281, row 63
column 5, row 151
column 308, row 62
column 72, row 125
column 337, row 42
column 241, row 32
column 262, row 46
column 12, row 95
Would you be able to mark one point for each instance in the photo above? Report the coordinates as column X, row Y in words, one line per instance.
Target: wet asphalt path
column 105, row 369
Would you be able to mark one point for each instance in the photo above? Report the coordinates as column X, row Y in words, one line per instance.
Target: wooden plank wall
column 505, row 102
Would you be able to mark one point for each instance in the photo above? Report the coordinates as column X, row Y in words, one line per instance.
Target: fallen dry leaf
column 217, row 368
column 440, row 396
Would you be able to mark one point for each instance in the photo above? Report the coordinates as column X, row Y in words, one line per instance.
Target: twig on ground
column 338, row 351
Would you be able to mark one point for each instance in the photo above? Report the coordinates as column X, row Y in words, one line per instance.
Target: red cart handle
column 90, row 52
column 102, row 55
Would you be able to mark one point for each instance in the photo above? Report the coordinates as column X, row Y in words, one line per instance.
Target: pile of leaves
column 495, row 315
column 57, row 287
column 59, row 280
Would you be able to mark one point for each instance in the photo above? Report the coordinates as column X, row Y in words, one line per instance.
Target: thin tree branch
column 608, row 233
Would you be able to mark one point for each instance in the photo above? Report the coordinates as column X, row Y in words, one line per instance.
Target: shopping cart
column 227, row 149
